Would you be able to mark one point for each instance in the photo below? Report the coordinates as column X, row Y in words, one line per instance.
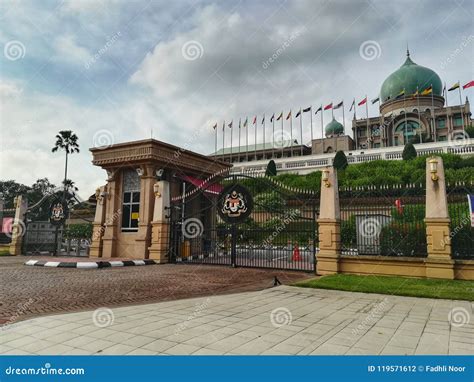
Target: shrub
column 79, row 231
column 340, row 160
column 271, row 169
column 403, row 240
column 409, row 152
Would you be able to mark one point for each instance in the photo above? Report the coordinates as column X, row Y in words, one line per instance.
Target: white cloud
column 67, row 49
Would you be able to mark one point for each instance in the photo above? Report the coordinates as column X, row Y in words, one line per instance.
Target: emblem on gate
column 235, row 203
column 58, row 212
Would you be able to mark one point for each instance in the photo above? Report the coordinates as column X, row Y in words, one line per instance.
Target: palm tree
column 67, row 141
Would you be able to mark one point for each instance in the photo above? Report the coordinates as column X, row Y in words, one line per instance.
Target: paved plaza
column 280, row 320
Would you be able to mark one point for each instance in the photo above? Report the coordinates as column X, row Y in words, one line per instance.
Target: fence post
column 329, row 224
column 160, row 233
column 439, row 263
column 18, row 226
column 98, row 224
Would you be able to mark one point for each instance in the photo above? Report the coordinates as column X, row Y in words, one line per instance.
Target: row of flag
column 427, row 91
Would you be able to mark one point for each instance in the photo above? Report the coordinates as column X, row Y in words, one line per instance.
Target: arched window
column 406, row 129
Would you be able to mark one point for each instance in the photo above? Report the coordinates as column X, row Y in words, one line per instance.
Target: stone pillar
column 160, row 237
column 18, row 226
column 439, row 263
column 113, row 207
column 329, row 223
column 98, row 227
column 147, row 201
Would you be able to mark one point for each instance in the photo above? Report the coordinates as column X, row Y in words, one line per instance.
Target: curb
column 89, row 264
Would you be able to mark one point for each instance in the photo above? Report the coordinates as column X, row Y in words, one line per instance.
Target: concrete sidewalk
column 282, row 320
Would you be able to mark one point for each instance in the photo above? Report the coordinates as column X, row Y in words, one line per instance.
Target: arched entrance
column 404, row 130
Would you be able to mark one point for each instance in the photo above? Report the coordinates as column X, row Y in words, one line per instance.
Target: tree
column 9, row 189
column 70, row 185
column 409, row 152
column 66, row 140
column 340, row 160
column 271, row 169
column 470, row 131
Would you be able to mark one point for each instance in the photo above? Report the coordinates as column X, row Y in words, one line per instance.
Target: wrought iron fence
column 462, row 234
column 383, row 221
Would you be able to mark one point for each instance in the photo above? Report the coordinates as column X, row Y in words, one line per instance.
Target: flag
column 319, row 109
column 215, row 126
column 402, row 93
column 454, row 87
column 280, row 116
column 223, row 126
column 272, row 118
column 338, row 105
column 399, row 206
column 298, row 114
column 363, row 102
column 254, row 120
column 353, row 104
column 444, row 90
column 263, row 119
column 416, row 94
column 427, row 91
column 468, row 85
column 328, row 107
column 375, row 100
column 288, row 116
column 246, row 122
column 470, row 199
column 307, row 109
column 240, row 122
column 230, row 124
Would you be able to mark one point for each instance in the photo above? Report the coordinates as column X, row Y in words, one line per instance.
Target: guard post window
column 131, row 201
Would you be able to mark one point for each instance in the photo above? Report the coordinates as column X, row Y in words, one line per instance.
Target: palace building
column 412, row 108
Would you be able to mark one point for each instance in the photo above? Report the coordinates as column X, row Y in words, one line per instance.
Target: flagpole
column 433, row 116
column 418, row 108
column 322, row 127
column 291, row 134
column 215, row 149
column 448, row 123
column 343, row 117
column 367, row 119
column 311, row 122
column 231, row 134
column 355, row 118
column 223, row 136
column 273, row 136
column 301, row 131
column 282, row 133
column 264, row 155
column 247, row 141
column 462, row 107
column 240, row 120
column 255, row 148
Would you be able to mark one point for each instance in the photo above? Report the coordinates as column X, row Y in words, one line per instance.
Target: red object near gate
column 296, row 253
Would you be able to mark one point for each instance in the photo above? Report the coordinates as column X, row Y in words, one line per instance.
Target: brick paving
column 31, row 291
column 281, row 320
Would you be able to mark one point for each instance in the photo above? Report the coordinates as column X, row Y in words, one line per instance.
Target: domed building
column 336, row 139
column 411, row 109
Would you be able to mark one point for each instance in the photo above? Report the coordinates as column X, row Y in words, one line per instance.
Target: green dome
column 410, row 76
column 334, row 128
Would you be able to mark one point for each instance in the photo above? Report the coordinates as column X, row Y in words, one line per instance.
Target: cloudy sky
column 116, row 70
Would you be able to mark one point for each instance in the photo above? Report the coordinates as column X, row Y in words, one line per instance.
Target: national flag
column 307, row 109
column 223, row 126
column 363, row 102
column 263, row 119
column 272, row 118
column 399, row 206
column 468, row 85
column 298, row 114
column 215, row 126
column 402, row 93
column 319, row 109
column 254, row 120
column 444, row 90
column 470, row 199
column 427, row 91
column 288, row 116
column 416, row 94
column 454, row 87
column 280, row 116
column 246, row 122
column 338, row 105
column 353, row 104
column 230, row 124
column 375, row 100
column 328, row 107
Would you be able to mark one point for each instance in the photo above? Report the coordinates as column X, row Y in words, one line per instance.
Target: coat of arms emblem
column 235, row 203
column 58, row 212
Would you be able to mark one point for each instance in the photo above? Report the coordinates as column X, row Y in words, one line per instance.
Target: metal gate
column 278, row 230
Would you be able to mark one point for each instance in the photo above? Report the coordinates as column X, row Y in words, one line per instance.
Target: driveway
column 280, row 320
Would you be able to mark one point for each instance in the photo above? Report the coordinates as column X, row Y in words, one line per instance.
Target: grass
column 400, row 286
column 4, row 252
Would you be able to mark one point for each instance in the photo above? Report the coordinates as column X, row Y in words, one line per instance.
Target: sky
column 114, row 70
